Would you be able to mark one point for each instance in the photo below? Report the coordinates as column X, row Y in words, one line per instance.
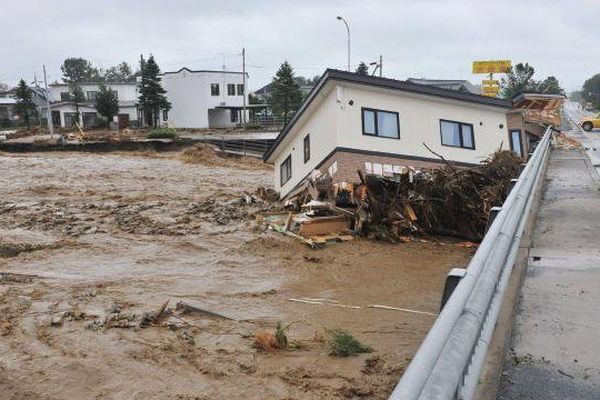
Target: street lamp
column 348, row 30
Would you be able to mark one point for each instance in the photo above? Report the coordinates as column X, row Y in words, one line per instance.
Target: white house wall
column 322, row 129
column 126, row 92
column 419, row 118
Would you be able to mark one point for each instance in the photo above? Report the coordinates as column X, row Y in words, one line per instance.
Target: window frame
column 238, row 91
column 510, row 140
column 281, row 166
column 376, row 111
column 216, row 92
column 91, row 93
column 460, row 134
column 306, row 148
column 231, row 92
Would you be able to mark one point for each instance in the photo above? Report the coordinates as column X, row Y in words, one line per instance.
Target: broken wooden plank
column 288, row 222
column 401, row 309
column 306, row 241
column 323, row 226
column 190, row 308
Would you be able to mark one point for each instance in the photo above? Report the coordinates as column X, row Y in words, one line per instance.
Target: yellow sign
column 490, row 82
column 491, row 91
column 491, row 67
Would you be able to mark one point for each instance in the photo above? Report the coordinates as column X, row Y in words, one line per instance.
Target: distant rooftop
column 460, row 85
column 203, row 71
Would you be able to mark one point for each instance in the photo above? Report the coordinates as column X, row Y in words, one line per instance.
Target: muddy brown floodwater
column 89, row 243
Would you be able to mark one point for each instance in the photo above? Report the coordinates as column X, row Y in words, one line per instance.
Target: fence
column 449, row 362
column 246, row 147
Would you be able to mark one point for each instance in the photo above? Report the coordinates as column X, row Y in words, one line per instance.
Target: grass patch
column 162, row 133
column 343, row 344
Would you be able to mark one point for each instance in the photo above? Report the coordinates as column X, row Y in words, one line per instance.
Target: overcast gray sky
column 418, row 38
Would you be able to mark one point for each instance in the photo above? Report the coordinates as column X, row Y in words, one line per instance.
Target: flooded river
column 99, row 240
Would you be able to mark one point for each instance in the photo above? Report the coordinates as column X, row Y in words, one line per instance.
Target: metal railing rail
column 450, row 359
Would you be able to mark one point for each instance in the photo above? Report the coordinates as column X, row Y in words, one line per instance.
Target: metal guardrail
column 250, row 147
column 450, row 360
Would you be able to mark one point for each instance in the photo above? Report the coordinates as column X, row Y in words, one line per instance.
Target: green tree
column 550, row 85
column 362, row 69
column 120, row 73
column 24, row 106
column 79, row 70
column 286, row 96
column 591, row 90
column 152, row 99
column 77, row 96
column 518, row 80
column 107, row 103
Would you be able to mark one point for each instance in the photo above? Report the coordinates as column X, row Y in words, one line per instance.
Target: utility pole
column 244, row 86
column 49, row 114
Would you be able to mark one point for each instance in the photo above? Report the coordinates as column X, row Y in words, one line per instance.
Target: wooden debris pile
column 317, row 223
column 444, row 201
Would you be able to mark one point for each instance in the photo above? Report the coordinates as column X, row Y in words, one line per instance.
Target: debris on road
column 561, row 141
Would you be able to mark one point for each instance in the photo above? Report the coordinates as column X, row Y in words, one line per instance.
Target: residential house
column 204, row 99
column 9, row 117
column 64, row 110
column 529, row 117
column 451, row 84
column 379, row 125
column 7, row 105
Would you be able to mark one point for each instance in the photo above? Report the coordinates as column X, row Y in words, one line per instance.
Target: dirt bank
column 98, row 240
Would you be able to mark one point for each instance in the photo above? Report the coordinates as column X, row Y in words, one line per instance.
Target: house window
column 515, row 142
column 457, row 134
column 234, row 115
column 165, row 115
column 240, row 89
column 214, row 89
column 230, row 89
column 285, row 170
column 115, row 93
column 306, row 148
column 65, row 96
column 91, row 95
column 380, row 123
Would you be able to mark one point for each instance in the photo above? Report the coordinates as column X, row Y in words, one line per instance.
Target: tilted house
column 380, row 125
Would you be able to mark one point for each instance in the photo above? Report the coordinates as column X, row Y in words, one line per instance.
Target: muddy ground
column 107, row 238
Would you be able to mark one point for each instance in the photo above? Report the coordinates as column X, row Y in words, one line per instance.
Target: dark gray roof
column 404, row 86
column 203, row 70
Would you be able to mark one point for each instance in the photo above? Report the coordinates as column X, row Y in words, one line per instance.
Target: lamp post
column 348, row 30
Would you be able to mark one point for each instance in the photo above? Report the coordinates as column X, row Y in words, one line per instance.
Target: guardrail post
column 452, row 280
column 494, row 211
column 222, row 144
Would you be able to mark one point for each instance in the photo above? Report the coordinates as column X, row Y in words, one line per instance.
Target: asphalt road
column 590, row 140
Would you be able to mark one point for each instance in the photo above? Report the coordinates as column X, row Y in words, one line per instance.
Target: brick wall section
column 348, row 163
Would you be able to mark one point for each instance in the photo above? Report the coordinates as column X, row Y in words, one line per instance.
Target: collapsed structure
column 392, row 157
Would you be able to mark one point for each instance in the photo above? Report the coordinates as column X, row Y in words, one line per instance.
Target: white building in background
column 204, row 99
column 64, row 111
column 199, row 99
